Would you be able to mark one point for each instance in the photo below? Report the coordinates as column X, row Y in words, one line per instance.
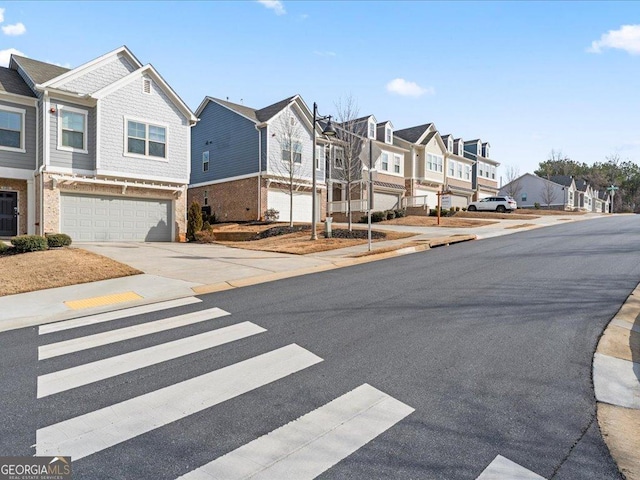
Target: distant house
column 243, row 160
column 484, row 173
column 529, row 190
column 100, row 152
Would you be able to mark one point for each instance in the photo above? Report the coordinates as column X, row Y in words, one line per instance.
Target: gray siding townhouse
column 243, row 160
column 484, row 172
column 100, row 152
column 388, row 159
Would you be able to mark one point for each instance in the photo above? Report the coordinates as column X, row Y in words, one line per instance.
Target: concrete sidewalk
column 174, row 270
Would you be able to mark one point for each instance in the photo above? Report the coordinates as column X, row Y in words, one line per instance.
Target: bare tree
column 513, row 186
column 548, row 193
column 286, row 161
column 350, row 140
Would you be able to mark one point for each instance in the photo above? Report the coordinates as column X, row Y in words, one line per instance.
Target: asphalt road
column 490, row 342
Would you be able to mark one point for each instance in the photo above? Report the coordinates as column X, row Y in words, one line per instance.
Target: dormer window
column 485, row 150
column 372, row 130
column 450, row 145
column 460, row 148
column 388, row 135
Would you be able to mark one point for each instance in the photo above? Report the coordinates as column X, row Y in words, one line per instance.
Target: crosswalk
column 304, row 448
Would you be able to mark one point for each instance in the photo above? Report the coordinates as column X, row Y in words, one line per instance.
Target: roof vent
column 146, row 86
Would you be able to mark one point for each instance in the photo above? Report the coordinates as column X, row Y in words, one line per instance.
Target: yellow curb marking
column 104, row 300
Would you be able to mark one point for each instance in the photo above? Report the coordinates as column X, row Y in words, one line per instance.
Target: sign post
column 612, row 191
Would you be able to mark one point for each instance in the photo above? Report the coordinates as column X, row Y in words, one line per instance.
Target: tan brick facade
column 19, row 186
column 52, row 193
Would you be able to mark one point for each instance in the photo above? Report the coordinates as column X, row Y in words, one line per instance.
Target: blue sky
column 528, row 77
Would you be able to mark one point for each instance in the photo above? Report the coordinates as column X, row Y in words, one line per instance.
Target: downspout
column 259, row 173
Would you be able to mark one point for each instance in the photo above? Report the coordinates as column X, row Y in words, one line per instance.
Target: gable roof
column 412, row 134
column 269, row 112
column 39, row 72
column 582, row 184
column 12, row 82
column 565, row 180
column 257, row 116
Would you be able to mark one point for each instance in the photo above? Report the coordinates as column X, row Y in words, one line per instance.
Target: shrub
column 400, row 213
column 536, row 205
column 194, row 221
column 29, row 243
column 271, row 215
column 3, row 247
column 464, row 209
column 58, row 240
column 390, row 214
column 457, row 209
column 205, row 236
column 378, row 216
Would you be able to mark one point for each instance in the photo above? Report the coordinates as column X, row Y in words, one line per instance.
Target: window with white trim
column 289, row 154
column 12, row 128
column 320, row 156
column 372, row 130
column 72, row 129
column 385, row 162
column 452, row 168
column 396, row 163
column 450, row 145
column 388, row 135
column 205, row 161
column 146, row 139
column 459, row 171
column 434, row 162
column 467, row 172
column 338, row 157
column 206, row 198
column 493, row 172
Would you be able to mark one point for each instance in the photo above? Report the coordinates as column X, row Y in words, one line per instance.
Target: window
column 396, row 163
column 320, row 156
column 434, row 162
column 205, row 161
column 388, row 137
column 459, row 170
column 372, row 130
column 338, row 157
column 72, row 129
column 524, row 197
column 452, row 168
column 481, row 168
column 385, row 161
column 146, row 86
column 11, row 128
column 287, row 152
column 467, row 172
column 206, row 198
column 146, row 139
column 450, row 145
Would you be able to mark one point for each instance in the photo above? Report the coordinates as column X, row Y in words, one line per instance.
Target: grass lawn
column 60, row 267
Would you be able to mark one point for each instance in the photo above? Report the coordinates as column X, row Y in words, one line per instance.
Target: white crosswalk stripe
column 116, row 315
column 127, row 333
column 302, row 449
column 87, row 434
column 502, row 468
column 92, row 372
column 306, row 447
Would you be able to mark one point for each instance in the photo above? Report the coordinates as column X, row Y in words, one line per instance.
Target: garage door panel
column 302, row 205
column 103, row 218
column 384, row 201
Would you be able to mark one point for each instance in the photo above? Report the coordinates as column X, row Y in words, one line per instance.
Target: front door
column 8, row 214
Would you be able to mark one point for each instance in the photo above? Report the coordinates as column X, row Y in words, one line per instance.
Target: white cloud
column 5, row 55
column 325, row 54
column 627, row 38
column 400, row 86
column 275, row 5
column 1, row 15
column 13, row 30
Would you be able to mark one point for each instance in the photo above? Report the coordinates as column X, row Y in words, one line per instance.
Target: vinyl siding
column 101, row 77
column 233, row 148
column 26, row 160
column 155, row 108
column 67, row 159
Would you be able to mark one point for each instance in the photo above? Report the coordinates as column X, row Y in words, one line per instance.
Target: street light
column 329, row 131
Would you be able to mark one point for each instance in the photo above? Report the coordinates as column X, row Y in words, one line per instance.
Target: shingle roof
column 581, row 185
column 40, row 72
column 393, row 186
column 412, row 134
column 561, row 179
column 428, row 138
column 12, row 82
column 266, row 113
column 241, row 109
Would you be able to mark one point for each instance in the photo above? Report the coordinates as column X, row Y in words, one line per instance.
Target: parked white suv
column 494, row 204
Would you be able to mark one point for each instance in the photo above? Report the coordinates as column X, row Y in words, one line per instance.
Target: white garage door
column 108, row 219
column 384, row 201
column 279, row 200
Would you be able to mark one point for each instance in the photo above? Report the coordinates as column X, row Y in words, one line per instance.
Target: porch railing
column 341, row 206
column 415, row 201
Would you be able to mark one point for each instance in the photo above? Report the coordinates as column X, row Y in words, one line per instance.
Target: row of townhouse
column 558, row 192
column 108, row 151
column 238, row 155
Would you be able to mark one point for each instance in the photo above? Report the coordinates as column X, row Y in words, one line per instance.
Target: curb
column 616, row 381
column 348, row 262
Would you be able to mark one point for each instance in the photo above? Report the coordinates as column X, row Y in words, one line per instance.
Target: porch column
column 31, row 207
